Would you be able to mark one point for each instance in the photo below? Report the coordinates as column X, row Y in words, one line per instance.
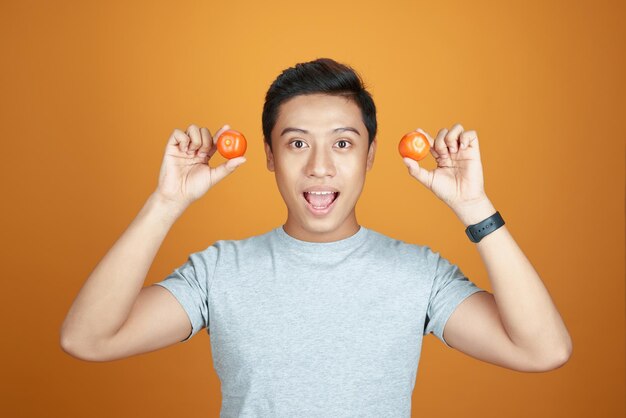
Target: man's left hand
column 458, row 178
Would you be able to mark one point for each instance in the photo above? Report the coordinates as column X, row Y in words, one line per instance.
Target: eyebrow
column 304, row 131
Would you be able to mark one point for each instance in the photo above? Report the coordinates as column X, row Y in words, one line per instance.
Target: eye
column 298, row 143
column 343, row 143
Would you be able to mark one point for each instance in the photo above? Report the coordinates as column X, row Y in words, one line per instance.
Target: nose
column 320, row 163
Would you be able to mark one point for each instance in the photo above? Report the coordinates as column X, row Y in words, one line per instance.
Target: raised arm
column 518, row 326
column 113, row 315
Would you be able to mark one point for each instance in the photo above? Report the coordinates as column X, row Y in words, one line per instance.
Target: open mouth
column 320, row 202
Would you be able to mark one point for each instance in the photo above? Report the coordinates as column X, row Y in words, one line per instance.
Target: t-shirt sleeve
column 190, row 285
column 450, row 287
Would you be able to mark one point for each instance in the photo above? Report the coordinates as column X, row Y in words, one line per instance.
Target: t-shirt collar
column 345, row 243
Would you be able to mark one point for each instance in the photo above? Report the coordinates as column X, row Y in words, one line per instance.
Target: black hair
column 323, row 76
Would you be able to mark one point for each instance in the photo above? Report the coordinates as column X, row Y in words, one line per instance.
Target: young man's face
column 320, row 156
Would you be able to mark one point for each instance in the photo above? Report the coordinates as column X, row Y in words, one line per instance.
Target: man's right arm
column 113, row 316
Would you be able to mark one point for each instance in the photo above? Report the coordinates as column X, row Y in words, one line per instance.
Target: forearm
column 526, row 309
column 106, row 298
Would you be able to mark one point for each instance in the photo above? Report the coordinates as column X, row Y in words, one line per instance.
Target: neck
column 319, row 232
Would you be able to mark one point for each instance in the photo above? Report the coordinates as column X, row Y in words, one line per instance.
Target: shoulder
column 388, row 246
column 226, row 247
column 386, row 241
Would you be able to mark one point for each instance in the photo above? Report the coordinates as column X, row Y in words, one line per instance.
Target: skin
column 320, row 157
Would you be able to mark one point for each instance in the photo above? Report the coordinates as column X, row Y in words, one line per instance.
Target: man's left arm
column 518, row 326
column 522, row 303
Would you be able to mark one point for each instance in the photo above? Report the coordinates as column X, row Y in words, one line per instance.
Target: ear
column 371, row 153
column 270, row 157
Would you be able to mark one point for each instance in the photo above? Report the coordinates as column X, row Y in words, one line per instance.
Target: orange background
column 92, row 90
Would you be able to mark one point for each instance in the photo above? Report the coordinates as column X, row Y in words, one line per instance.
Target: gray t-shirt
column 303, row 329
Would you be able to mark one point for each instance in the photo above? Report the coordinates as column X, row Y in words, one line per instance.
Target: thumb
column 421, row 174
column 222, row 170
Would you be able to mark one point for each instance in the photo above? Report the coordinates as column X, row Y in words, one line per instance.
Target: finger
column 196, row 140
column 421, row 174
column 207, row 141
column 223, row 129
column 469, row 139
column 223, row 170
column 215, row 138
column 452, row 137
column 440, row 145
column 431, row 142
column 180, row 140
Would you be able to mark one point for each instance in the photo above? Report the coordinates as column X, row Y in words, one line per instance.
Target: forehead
column 309, row 111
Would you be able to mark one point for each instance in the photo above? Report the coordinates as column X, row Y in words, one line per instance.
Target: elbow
column 70, row 347
column 66, row 342
column 566, row 352
column 78, row 350
column 557, row 359
column 560, row 361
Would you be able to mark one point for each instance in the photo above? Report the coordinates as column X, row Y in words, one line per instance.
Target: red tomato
column 414, row 145
column 231, row 144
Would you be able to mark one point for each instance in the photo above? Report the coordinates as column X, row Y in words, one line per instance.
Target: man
column 320, row 316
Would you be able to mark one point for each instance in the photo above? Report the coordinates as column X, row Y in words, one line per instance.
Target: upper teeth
column 321, row 192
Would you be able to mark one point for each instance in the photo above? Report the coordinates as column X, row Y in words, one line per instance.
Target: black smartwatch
column 478, row 231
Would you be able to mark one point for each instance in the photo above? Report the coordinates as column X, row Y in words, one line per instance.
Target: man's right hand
column 185, row 174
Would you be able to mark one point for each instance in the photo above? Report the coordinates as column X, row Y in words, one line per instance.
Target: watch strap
column 478, row 231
